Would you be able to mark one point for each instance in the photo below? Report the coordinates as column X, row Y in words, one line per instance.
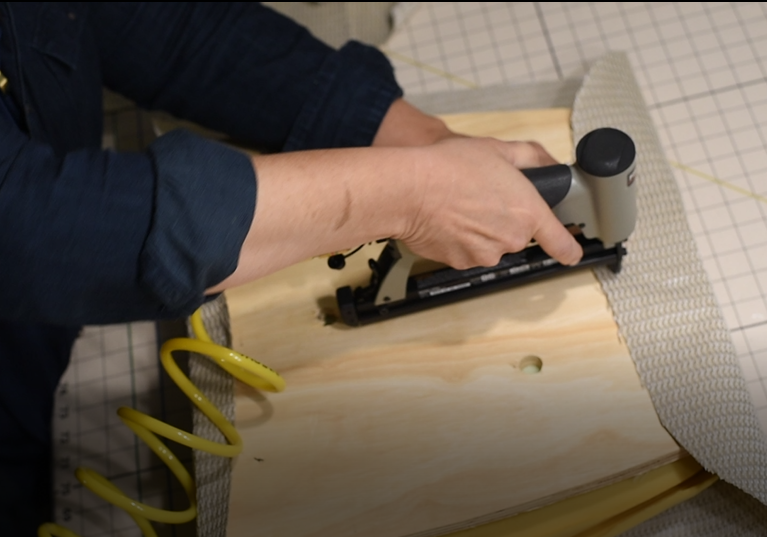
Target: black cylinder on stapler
column 605, row 152
column 595, row 196
column 552, row 182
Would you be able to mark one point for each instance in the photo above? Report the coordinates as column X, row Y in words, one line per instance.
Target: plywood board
column 428, row 421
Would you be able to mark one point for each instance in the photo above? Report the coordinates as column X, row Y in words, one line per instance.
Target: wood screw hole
column 531, row 365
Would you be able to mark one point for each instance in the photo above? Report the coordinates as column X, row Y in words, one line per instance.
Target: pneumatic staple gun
column 595, row 198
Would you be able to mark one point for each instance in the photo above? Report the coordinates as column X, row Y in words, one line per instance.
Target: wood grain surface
column 428, row 423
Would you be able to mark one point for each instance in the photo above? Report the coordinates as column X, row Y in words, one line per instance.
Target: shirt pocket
column 58, row 31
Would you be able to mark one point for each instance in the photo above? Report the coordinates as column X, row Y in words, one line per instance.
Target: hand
column 475, row 205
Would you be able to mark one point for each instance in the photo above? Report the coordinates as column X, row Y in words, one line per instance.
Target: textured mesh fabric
column 665, row 308
column 664, row 304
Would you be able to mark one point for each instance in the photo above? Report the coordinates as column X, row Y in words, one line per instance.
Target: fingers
column 551, row 235
column 557, row 241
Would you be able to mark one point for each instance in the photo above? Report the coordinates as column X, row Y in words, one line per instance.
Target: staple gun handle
column 552, row 182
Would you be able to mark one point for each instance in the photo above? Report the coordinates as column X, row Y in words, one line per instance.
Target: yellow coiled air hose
column 148, row 428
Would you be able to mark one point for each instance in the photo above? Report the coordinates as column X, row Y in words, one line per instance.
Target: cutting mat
column 430, row 421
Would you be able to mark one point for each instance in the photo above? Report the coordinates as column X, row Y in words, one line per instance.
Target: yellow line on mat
column 429, row 68
column 719, row 182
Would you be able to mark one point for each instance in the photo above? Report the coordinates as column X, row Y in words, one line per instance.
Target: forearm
column 315, row 202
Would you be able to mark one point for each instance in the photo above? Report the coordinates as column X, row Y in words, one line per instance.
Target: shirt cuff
column 204, row 205
column 355, row 88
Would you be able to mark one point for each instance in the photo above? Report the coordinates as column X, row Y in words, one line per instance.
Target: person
column 94, row 236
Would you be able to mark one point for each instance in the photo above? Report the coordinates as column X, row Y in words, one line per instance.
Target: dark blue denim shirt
column 92, row 236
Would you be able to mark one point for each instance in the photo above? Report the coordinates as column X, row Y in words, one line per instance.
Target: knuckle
column 471, row 259
column 461, row 264
column 517, row 243
column 535, row 145
column 487, row 261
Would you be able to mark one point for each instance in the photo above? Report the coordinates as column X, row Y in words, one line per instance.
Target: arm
column 461, row 201
column 313, row 203
column 453, row 199
column 95, row 236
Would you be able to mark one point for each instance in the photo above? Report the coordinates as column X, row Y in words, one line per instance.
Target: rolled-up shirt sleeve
column 355, row 88
column 97, row 236
column 204, row 203
column 245, row 70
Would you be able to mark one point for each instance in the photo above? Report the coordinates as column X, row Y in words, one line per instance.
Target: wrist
column 421, row 192
column 404, row 125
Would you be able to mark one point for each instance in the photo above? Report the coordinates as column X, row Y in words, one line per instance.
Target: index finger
column 557, row 241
